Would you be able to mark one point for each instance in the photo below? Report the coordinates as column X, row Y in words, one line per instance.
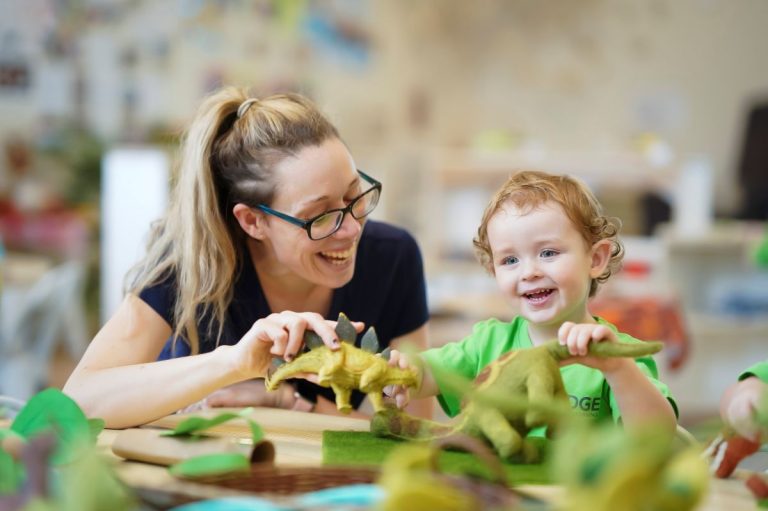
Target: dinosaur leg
column 334, row 364
column 499, row 432
column 376, row 400
column 541, row 388
column 342, row 398
column 371, row 382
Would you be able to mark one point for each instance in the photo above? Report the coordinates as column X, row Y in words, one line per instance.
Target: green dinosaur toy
column 605, row 468
column 347, row 368
column 521, row 390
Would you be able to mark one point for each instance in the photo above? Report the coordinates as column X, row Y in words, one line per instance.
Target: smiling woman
column 268, row 217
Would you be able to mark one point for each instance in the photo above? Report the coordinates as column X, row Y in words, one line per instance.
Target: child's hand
column 578, row 336
column 400, row 393
column 738, row 405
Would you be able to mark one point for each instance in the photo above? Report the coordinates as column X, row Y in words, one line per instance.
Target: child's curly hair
column 529, row 189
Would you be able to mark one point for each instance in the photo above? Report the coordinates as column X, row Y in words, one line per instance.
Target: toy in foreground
column 606, row 468
column 510, row 397
column 411, row 479
column 347, row 368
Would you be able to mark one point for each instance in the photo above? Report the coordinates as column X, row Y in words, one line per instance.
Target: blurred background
column 661, row 106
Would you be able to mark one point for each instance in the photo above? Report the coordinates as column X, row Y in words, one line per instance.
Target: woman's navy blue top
column 387, row 291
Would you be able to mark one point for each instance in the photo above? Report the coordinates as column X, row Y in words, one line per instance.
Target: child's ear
column 250, row 220
column 601, row 257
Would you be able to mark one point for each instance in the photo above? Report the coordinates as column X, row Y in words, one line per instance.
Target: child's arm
column 402, row 394
column 738, row 405
column 639, row 400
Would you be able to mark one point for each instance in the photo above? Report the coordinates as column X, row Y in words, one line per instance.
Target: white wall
column 134, row 193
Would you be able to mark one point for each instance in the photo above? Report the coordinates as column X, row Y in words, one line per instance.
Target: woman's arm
column 119, row 380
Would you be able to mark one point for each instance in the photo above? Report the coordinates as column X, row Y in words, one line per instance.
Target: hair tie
column 244, row 106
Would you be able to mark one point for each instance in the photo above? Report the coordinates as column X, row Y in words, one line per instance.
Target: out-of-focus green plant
column 78, row 477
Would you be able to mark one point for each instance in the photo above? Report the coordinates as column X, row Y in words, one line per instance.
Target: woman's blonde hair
column 225, row 160
column 529, row 189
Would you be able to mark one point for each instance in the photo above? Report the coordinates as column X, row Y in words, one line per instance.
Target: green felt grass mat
column 362, row 448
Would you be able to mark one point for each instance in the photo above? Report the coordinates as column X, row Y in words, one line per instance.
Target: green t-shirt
column 587, row 389
column 760, row 370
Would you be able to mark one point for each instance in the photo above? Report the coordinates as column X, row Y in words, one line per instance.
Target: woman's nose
column 350, row 227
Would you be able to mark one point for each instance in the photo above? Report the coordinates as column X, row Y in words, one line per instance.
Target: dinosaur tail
column 608, row 349
column 395, row 423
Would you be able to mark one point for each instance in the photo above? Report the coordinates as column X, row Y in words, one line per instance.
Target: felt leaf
column 257, row 434
column 95, row 426
column 195, row 425
column 370, row 341
column 53, row 410
column 386, row 353
column 345, row 330
column 312, row 340
column 10, row 474
column 210, row 464
column 90, row 484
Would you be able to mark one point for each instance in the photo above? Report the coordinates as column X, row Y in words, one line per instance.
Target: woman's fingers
column 296, row 325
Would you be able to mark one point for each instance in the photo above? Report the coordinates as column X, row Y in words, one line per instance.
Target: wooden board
column 298, row 436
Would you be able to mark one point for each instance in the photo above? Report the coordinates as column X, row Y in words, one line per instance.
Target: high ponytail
column 225, row 160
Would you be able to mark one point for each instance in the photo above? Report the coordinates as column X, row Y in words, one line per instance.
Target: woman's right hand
column 279, row 335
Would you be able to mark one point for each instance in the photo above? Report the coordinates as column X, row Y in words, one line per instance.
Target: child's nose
column 531, row 270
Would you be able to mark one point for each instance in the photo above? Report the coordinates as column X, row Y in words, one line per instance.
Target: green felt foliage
column 11, row 474
column 80, row 478
column 363, row 448
column 213, row 464
column 90, row 484
column 197, row 425
column 210, row 465
column 51, row 410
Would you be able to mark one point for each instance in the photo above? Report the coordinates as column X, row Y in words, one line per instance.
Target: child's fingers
column 564, row 331
column 394, row 358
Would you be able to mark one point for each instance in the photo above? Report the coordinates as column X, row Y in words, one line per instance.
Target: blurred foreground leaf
column 210, row 464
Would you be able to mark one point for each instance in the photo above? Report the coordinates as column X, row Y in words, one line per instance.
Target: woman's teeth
column 338, row 257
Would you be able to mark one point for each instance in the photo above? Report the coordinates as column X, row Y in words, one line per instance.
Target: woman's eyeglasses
column 327, row 223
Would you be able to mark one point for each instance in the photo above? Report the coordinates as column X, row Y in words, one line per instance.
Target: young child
column 547, row 243
column 740, row 400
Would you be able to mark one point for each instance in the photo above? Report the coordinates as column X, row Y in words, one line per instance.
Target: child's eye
column 548, row 253
column 509, row 260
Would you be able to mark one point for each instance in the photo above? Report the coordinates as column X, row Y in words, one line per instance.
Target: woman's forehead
column 315, row 173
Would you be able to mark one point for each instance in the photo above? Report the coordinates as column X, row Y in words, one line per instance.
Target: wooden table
column 297, row 438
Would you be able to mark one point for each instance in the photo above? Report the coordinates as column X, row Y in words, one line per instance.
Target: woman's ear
column 250, row 220
column 601, row 257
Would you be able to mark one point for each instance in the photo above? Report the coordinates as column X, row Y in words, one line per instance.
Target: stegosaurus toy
column 347, row 368
column 514, row 394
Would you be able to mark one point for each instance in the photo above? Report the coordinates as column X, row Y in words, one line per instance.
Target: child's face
column 542, row 263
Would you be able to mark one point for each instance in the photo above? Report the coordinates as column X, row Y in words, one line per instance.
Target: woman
column 267, row 217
